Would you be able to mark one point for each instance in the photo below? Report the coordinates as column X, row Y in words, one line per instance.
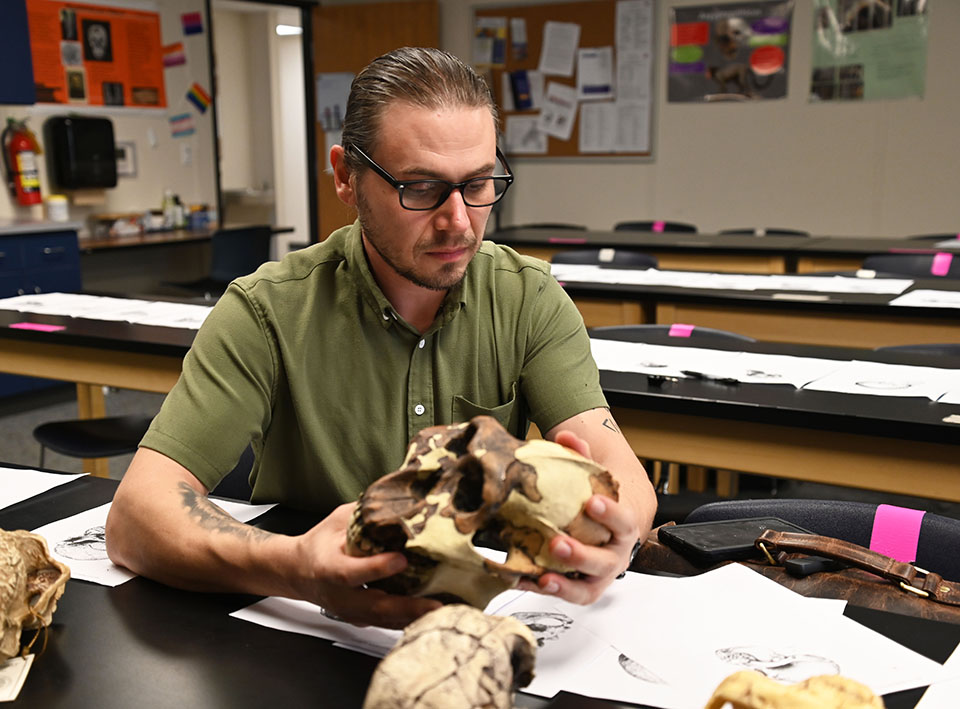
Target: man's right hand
column 335, row 580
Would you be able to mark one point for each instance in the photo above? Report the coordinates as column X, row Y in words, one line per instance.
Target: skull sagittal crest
column 31, row 583
column 474, row 480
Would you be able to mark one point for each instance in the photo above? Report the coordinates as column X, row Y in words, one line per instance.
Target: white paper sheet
column 598, row 127
column 595, row 73
column 943, row 695
column 92, row 307
column 79, row 541
column 525, row 136
column 929, row 299
column 19, row 485
column 634, row 25
column 725, row 625
column 559, row 111
column 559, row 49
column 889, row 380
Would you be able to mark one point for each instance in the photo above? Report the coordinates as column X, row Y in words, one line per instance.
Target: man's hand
column 335, row 580
column 600, row 565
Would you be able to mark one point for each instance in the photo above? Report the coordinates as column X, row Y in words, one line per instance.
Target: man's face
column 431, row 248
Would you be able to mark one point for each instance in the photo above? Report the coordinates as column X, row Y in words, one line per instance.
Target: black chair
column 236, row 484
column 850, row 521
column 235, row 252
column 913, row 265
column 666, row 475
column 556, row 226
column 948, row 349
column 92, row 438
column 761, row 231
column 654, row 226
column 933, row 237
column 619, row 257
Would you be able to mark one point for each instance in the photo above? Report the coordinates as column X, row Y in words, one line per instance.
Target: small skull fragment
column 751, row 690
column 31, row 583
column 474, row 480
column 455, row 657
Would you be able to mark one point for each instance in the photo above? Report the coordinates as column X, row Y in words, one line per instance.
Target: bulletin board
column 99, row 56
column 597, row 20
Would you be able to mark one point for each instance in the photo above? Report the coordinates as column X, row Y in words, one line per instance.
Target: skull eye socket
column 468, row 496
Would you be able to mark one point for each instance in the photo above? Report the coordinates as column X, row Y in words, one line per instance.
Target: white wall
column 856, row 169
column 159, row 166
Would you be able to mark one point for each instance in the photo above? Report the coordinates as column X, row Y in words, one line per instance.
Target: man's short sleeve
column 560, row 378
column 222, row 400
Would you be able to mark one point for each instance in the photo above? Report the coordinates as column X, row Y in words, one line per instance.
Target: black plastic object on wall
column 81, row 152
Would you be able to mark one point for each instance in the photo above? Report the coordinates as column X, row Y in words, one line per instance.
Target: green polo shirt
column 307, row 359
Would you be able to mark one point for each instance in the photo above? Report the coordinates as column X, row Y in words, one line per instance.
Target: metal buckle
column 913, row 589
column 770, row 558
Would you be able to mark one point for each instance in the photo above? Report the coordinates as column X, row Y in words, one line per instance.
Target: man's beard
column 444, row 279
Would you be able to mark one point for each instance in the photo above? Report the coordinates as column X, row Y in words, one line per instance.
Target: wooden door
column 345, row 39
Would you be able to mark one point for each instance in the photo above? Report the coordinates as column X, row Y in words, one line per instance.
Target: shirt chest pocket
column 510, row 415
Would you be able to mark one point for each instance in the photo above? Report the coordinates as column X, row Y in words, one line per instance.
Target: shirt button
column 422, row 343
column 418, row 409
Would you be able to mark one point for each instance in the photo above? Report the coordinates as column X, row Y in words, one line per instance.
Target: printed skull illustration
column 474, row 480
column 730, row 34
column 31, row 583
column 455, row 657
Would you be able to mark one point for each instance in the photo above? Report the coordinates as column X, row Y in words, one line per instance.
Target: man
column 331, row 361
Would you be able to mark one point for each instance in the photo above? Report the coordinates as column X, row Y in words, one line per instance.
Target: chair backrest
column 933, row 237
column 945, row 265
column 619, row 257
column 668, row 334
column 851, row 521
column 654, row 226
column 950, row 349
column 762, row 231
column 239, row 251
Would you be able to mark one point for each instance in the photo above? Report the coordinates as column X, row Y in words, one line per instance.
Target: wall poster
column 100, row 56
column 868, row 49
column 732, row 52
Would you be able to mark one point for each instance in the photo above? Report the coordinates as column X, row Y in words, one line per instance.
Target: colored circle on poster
column 767, row 60
column 687, row 54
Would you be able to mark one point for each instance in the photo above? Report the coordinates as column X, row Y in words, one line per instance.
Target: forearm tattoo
column 611, row 424
column 210, row 517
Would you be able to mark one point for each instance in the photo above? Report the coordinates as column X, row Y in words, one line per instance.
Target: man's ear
column 341, row 177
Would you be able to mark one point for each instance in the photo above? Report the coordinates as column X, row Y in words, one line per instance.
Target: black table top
column 716, row 243
column 907, row 418
column 148, row 645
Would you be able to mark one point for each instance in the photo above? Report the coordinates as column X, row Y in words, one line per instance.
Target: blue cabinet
column 38, row 262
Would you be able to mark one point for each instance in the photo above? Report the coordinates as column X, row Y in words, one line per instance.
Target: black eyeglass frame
column 400, row 185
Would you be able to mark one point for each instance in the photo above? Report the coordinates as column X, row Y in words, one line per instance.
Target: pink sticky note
column 659, row 226
column 566, row 240
column 681, row 330
column 896, row 532
column 41, row 327
column 941, row 264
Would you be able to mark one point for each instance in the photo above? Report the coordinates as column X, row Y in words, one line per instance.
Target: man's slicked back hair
column 420, row 76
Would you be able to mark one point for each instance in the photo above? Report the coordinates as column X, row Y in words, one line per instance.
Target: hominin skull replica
column 455, row 657
column 31, row 583
column 475, row 478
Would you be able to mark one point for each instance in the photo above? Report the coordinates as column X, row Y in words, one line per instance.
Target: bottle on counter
column 179, row 215
column 169, row 216
column 57, row 210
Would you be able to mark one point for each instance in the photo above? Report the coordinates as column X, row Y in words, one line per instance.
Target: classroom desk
column 674, row 250
column 146, row 645
column 725, row 253
column 843, row 320
column 888, row 444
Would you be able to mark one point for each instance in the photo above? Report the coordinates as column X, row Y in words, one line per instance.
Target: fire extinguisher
column 20, row 150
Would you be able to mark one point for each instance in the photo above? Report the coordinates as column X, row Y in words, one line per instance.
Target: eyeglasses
column 423, row 195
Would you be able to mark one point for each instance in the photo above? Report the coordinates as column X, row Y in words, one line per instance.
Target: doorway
column 261, row 108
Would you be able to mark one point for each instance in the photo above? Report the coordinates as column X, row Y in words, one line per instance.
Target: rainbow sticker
column 198, row 97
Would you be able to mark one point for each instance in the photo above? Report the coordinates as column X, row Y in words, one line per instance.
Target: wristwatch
column 633, row 555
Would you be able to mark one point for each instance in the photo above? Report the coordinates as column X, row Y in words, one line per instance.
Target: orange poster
column 101, row 56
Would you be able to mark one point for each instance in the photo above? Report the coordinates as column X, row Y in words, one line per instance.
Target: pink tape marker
column 679, row 329
column 896, row 532
column 566, row 240
column 659, row 226
column 41, row 327
column 941, row 264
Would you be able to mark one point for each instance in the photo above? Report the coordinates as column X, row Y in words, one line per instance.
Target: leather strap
column 910, row 578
